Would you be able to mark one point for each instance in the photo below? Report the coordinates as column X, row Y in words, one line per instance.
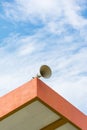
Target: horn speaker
column 45, row 71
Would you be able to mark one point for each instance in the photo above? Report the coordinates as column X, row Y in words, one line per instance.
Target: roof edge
column 60, row 105
column 18, row 97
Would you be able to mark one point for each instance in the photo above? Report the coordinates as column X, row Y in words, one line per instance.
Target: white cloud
column 71, row 11
column 45, row 11
column 26, row 49
column 33, row 11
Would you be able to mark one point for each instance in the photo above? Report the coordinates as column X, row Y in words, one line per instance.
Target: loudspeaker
column 44, row 71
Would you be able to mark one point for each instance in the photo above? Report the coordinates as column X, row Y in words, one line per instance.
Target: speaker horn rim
column 48, row 70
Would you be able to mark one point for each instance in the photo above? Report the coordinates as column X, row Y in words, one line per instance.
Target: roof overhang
column 35, row 106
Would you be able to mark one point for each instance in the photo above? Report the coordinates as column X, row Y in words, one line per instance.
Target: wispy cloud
column 32, row 10
column 58, row 40
column 45, row 11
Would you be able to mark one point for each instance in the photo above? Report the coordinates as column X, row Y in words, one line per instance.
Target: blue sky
column 51, row 32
